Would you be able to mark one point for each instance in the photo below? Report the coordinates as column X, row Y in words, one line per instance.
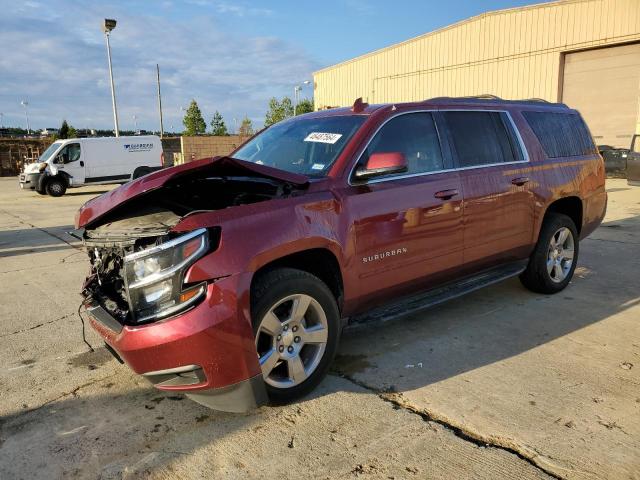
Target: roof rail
column 493, row 98
column 536, row 99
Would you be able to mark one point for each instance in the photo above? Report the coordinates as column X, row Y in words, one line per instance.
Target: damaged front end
column 139, row 280
column 138, row 264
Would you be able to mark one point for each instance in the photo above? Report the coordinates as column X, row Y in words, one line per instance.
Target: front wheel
column 297, row 329
column 554, row 259
column 56, row 187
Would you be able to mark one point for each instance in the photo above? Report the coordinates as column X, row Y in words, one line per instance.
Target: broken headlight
column 155, row 277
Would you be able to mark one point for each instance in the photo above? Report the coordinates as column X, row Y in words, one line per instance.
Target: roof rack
column 493, row 99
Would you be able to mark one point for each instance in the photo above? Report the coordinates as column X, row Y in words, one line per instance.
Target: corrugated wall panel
column 512, row 53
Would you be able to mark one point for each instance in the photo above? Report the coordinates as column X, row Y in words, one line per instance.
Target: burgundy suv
column 230, row 279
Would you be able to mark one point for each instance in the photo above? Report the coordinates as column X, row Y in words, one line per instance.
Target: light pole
column 1, row 120
column 108, row 25
column 24, row 103
column 135, row 124
column 296, row 92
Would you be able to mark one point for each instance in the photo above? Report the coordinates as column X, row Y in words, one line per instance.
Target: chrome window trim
column 521, row 143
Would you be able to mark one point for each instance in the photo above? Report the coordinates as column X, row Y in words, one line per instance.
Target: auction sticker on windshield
column 323, row 137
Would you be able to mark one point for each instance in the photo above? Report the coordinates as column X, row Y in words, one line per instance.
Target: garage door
column 604, row 84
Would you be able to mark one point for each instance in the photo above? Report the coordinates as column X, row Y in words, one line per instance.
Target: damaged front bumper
column 207, row 352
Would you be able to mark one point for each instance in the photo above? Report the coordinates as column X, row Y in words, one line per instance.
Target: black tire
column 140, row 172
column 41, row 192
column 272, row 287
column 537, row 277
column 56, row 187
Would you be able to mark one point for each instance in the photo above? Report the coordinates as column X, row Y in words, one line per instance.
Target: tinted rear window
column 483, row 138
column 561, row 134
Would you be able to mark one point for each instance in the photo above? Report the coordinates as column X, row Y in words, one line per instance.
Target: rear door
column 498, row 207
column 408, row 226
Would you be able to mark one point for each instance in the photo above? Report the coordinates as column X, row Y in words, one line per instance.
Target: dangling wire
column 84, row 338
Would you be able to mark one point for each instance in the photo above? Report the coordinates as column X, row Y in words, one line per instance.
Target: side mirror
column 383, row 163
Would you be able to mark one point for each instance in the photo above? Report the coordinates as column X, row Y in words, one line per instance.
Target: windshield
column 302, row 145
column 46, row 155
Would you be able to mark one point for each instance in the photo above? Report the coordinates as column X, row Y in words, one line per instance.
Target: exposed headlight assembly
column 155, row 277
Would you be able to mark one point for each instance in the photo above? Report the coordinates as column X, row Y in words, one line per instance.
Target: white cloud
column 53, row 54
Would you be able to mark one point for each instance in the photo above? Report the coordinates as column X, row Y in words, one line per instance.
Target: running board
column 421, row 301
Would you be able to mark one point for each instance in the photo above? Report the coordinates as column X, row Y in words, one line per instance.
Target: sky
column 230, row 56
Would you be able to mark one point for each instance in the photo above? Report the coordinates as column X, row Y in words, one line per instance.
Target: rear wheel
column 140, row 172
column 554, row 259
column 56, row 187
column 297, row 329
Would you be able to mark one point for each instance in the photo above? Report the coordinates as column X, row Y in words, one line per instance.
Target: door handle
column 520, row 181
column 81, row 163
column 446, row 194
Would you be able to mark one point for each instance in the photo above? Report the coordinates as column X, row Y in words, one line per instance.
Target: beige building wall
column 514, row 53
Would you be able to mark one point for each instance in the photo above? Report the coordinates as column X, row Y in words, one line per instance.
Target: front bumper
column 208, row 352
column 32, row 181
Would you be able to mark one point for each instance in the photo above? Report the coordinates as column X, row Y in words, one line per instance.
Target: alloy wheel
column 291, row 340
column 560, row 254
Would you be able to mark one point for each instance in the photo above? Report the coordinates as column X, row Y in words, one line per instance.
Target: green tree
column 218, row 126
column 246, row 127
column 64, row 130
column 193, row 122
column 278, row 111
column 304, row 106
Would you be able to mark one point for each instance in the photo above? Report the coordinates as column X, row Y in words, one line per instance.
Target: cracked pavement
column 502, row 383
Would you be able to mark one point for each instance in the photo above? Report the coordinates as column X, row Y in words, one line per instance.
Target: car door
column 498, row 206
column 70, row 161
column 407, row 226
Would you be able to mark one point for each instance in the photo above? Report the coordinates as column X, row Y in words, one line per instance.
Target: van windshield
column 302, row 145
column 46, row 155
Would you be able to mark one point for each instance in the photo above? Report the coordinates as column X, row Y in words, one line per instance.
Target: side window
column 483, row 138
column 561, row 134
column 415, row 136
column 71, row 153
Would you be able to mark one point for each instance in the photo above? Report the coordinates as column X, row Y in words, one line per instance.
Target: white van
column 75, row 162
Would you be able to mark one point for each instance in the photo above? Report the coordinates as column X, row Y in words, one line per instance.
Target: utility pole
column 110, row 24
column 24, row 103
column 296, row 94
column 159, row 101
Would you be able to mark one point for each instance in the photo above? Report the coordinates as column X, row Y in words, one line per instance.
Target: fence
column 15, row 152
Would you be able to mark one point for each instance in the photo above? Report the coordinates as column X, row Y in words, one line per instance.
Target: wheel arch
column 320, row 262
column 570, row 206
column 64, row 176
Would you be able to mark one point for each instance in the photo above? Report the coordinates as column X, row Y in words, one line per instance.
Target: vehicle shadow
column 26, row 241
column 125, row 428
column 497, row 322
column 83, row 193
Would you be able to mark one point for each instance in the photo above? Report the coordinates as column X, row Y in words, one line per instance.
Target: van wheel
column 554, row 259
column 140, row 172
column 56, row 187
column 41, row 192
column 296, row 324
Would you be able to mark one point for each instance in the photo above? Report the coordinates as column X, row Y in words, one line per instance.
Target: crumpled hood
column 216, row 166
